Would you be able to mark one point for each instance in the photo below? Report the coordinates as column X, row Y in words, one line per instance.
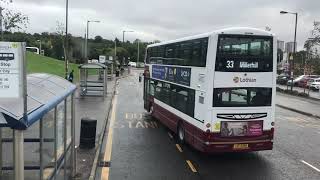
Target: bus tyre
column 181, row 134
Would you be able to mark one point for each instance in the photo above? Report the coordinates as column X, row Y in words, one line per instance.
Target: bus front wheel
column 181, row 134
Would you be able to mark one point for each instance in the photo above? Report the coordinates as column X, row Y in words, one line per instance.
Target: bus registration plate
column 240, row 146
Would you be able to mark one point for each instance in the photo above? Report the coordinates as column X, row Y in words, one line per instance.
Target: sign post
column 13, row 85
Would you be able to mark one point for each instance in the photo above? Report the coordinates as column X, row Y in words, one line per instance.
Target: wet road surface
column 142, row 148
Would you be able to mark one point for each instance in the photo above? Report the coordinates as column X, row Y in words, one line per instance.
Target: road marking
column 310, row 166
column 171, row 137
column 179, row 148
column 193, row 169
column 107, row 154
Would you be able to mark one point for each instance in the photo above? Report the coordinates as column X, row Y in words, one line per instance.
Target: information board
column 11, row 60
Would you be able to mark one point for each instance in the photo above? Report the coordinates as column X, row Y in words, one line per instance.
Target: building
column 280, row 45
column 289, row 47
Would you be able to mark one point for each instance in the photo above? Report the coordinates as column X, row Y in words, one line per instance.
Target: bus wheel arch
column 181, row 133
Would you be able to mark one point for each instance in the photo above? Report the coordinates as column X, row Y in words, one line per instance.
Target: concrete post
column 73, row 151
column 18, row 155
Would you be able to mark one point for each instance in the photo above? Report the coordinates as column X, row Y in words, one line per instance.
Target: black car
column 283, row 79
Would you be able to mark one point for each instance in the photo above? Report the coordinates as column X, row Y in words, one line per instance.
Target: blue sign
column 179, row 75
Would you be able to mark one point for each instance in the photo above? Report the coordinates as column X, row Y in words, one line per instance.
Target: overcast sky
column 170, row 19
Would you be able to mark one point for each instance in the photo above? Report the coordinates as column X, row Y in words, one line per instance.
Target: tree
column 98, row 39
column 12, row 20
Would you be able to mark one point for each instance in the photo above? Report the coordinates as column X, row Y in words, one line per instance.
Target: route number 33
column 230, row 64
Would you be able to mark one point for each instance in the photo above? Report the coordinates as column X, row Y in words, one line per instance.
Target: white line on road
column 310, row 165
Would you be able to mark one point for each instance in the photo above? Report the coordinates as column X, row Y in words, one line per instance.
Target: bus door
column 146, row 93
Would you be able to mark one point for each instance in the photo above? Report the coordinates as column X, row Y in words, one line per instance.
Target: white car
column 132, row 64
column 315, row 86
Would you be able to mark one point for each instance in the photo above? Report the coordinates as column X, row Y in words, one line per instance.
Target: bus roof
column 234, row 30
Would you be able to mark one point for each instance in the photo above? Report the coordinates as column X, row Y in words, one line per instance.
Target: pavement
column 139, row 147
column 301, row 105
column 93, row 107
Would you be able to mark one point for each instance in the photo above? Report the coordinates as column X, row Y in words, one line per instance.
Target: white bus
column 217, row 90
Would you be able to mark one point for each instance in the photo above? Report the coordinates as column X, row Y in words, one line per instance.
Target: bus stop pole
column 0, row 152
column 18, row 134
column 73, row 151
column 18, row 155
column 41, row 148
column 105, row 81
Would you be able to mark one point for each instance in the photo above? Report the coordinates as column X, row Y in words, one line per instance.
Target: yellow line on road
column 193, row 169
column 179, row 148
column 107, row 154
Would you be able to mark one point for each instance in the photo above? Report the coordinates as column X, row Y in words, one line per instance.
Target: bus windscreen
column 240, row 53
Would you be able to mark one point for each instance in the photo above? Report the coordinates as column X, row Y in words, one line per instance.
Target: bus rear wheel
column 181, row 134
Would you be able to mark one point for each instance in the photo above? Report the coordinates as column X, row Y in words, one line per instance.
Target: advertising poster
column 179, row 75
column 246, row 128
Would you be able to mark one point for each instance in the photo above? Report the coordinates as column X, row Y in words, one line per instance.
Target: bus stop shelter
column 39, row 144
column 93, row 79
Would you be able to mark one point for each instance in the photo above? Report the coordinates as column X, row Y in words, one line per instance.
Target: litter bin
column 117, row 73
column 88, row 133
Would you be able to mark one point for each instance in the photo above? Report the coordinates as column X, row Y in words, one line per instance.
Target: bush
column 302, row 94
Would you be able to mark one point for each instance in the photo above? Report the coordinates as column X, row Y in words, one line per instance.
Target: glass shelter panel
column 48, row 144
column 32, row 152
column 7, row 153
column 60, row 129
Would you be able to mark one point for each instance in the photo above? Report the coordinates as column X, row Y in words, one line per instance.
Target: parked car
column 315, row 86
column 283, row 79
column 132, row 64
column 312, row 81
column 302, row 80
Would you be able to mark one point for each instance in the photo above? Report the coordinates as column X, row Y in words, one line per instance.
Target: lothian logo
column 236, row 79
column 244, row 80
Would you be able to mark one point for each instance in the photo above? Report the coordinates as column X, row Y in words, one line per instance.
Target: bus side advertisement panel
column 179, row 75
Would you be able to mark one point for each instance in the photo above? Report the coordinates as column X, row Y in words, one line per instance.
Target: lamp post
column 294, row 45
column 87, row 37
column 123, row 34
column 40, row 46
column 65, row 42
column 138, row 58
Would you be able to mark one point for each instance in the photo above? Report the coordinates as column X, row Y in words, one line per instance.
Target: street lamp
column 138, row 41
column 40, row 46
column 123, row 41
column 294, row 44
column 123, row 35
column 87, row 37
column 66, row 45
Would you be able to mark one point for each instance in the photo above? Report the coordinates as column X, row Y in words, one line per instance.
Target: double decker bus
column 216, row 90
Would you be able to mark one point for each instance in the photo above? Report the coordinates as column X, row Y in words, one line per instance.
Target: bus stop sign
column 11, row 77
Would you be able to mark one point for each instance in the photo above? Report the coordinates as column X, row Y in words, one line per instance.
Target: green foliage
column 42, row 64
column 53, row 46
column 13, row 20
